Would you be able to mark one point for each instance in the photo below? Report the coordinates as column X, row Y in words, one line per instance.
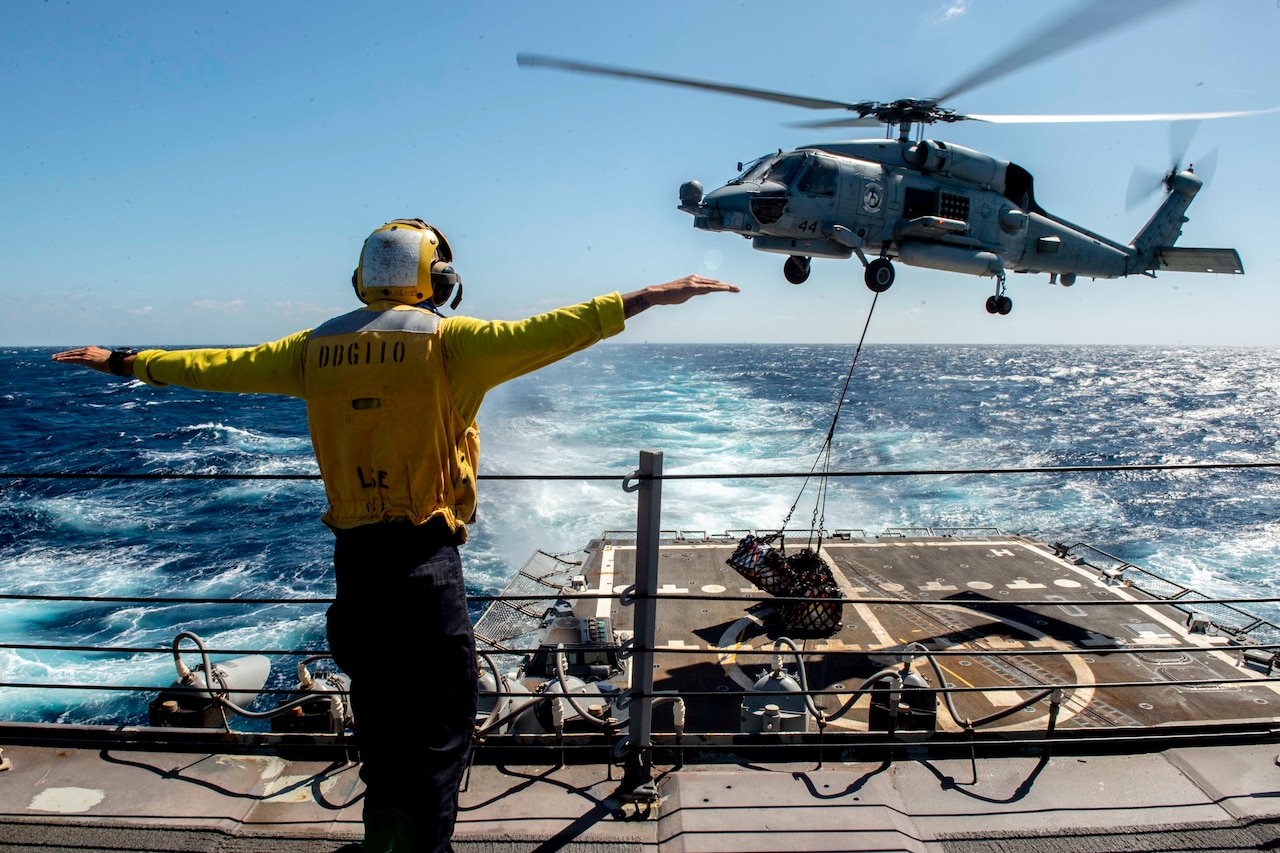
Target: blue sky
column 200, row 173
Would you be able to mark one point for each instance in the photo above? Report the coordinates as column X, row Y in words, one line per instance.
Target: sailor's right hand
column 94, row 358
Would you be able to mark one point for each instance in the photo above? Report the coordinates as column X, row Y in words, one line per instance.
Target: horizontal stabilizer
column 1180, row 259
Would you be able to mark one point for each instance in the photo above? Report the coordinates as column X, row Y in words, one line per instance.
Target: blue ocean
column 711, row 409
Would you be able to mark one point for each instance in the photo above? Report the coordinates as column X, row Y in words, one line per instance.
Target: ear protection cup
column 443, row 279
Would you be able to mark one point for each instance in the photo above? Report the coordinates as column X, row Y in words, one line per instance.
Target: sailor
column 392, row 392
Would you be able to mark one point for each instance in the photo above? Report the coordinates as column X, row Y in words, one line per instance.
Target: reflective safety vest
column 383, row 424
column 392, row 395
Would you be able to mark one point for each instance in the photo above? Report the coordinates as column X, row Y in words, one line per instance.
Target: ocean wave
column 731, row 409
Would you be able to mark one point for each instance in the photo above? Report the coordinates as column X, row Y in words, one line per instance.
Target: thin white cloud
column 235, row 306
column 293, row 308
column 953, row 9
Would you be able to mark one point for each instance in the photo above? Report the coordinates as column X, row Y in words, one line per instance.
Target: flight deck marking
column 1152, row 635
column 1199, row 640
column 672, row 589
column 1096, row 639
column 730, row 644
column 1068, row 609
column 869, row 619
column 1023, row 583
column 67, row 800
column 297, row 789
column 605, row 604
column 997, row 698
column 1079, row 698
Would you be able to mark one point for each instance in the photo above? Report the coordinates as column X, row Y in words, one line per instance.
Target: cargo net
column 801, row 575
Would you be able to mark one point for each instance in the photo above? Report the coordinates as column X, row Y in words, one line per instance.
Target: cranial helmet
column 406, row 261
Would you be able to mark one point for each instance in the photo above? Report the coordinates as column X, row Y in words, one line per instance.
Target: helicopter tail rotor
column 1144, row 183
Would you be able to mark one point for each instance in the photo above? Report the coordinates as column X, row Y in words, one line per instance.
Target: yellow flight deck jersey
column 392, row 396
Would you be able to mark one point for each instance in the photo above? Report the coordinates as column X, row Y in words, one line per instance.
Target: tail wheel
column 879, row 275
column 796, row 269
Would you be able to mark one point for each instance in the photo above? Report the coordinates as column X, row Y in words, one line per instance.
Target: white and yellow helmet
column 406, row 261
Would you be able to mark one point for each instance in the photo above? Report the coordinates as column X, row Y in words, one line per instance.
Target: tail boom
column 1153, row 248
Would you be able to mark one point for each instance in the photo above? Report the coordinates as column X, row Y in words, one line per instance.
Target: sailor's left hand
column 673, row 293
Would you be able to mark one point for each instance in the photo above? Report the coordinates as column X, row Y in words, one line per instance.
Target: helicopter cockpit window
column 784, row 169
column 819, row 178
column 755, row 169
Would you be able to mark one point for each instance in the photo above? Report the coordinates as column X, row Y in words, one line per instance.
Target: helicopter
column 931, row 203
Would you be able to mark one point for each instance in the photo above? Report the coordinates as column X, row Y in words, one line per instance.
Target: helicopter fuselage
column 928, row 204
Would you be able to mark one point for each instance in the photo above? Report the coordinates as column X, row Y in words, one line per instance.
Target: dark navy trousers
column 399, row 628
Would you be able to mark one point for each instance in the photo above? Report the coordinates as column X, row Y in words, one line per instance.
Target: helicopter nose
column 729, row 208
column 729, row 197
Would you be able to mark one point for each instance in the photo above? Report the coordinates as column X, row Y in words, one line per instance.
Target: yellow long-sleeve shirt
column 392, row 395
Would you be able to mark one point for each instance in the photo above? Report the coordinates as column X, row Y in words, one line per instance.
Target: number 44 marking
column 812, row 226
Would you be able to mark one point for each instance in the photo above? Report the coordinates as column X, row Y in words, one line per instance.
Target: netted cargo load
column 802, row 575
column 808, row 577
column 762, row 564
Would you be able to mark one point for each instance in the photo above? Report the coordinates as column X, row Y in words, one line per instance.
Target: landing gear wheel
column 999, row 303
column 879, row 275
column 796, row 269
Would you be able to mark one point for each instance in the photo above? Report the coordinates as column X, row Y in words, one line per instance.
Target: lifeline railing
column 1256, row 641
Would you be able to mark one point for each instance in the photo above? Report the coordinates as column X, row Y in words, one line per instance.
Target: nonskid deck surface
column 992, row 594
column 713, row 648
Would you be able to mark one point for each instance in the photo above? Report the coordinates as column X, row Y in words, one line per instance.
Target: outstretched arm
column 672, row 293
column 95, row 358
column 270, row 368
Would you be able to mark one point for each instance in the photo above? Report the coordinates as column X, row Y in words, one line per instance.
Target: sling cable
column 802, row 575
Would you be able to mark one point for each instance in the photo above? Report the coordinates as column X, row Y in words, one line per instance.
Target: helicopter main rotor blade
column 839, row 122
column 529, row 60
column 1180, row 135
column 1077, row 27
column 1114, row 117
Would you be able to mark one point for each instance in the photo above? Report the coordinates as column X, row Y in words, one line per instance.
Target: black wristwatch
column 115, row 362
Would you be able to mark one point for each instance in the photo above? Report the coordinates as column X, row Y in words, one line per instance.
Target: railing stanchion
column 638, row 775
